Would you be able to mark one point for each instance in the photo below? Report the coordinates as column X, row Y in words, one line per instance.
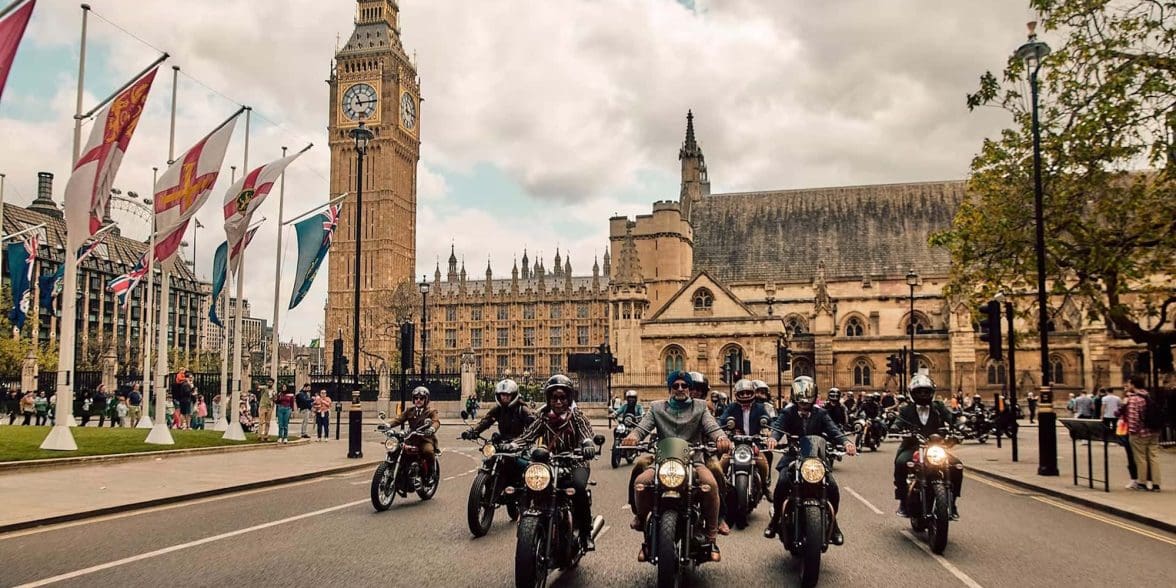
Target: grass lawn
column 22, row 443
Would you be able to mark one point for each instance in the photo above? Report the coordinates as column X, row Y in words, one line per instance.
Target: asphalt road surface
column 325, row 533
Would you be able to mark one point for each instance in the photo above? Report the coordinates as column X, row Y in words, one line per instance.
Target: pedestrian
column 98, row 404
column 1143, row 431
column 169, row 411
column 1070, row 405
column 1110, row 409
column 182, row 393
column 84, row 411
column 1096, row 403
column 134, row 405
column 112, row 402
column 28, row 408
column 1084, row 406
column 305, row 406
column 41, row 406
column 472, row 406
column 122, row 409
column 199, row 413
column 247, row 421
column 322, row 416
column 285, row 406
column 266, row 405
column 1032, row 400
column 216, row 407
column 12, row 405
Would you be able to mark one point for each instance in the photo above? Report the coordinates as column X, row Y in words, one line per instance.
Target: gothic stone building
column 824, row 271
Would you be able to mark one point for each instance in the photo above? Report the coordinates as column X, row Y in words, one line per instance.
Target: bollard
column 355, row 427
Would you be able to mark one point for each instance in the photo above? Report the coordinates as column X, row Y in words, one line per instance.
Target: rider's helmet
column 804, row 391
column 876, row 397
column 834, row 396
column 762, row 391
column 560, row 382
column 744, row 391
column 921, row 389
column 698, row 385
column 507, row 393
column 421, row 392
column 630, row 395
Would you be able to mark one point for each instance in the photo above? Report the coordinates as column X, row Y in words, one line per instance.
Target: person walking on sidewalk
column 199, row 413
column 305, row 405
column 12, row 405
column 28, row 408
column 1110, row 409
column 322, row 416
column 134, row 405
column 1143, row 431
column 1084, row 406
column 98, row 404
column 265, row 412
column 285, row 403
column 1032, row 400
column 41, row 406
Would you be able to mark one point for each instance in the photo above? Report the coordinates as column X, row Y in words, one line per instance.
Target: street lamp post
column 362, row 135
column 424, row 327
column 1032, row 52
column 912, row 280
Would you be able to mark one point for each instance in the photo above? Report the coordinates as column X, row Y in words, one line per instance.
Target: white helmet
column 507, row 387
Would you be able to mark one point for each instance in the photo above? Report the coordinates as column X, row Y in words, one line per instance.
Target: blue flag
column 50, row 286
column 314, row 240
column 20, row 271
column 218, row 281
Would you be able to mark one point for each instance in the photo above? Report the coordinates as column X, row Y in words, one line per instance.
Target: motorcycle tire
column 428, row 487
column 530, row 555
column 669, row 569
column 982, row 439
column 383, row 490
column 630, row 459
column 480, row 505
column 941, row 513
column 740, row 501
column 813, row 545
column 616, row 459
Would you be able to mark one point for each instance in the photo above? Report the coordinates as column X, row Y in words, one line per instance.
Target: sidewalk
column 1157, row 509
column 38, row 497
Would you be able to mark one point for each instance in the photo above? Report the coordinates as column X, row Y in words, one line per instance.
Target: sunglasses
column 559, row 398
column 680, row 387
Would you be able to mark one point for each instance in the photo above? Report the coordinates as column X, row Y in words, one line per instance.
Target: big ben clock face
column 360, row 102
column 408, row 112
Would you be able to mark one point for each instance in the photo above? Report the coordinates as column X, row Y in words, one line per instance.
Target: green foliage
column 1108, row 126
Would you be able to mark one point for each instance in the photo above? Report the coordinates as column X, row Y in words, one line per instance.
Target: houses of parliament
column 841, row 275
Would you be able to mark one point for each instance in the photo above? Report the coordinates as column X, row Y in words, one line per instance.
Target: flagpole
column 317, row 208
column 18, row 3
column 77, row 138
column 160, row 434
column 60, row 438
column 234, row 431
column 147, row 321
column 222, row 422
column 278, row 279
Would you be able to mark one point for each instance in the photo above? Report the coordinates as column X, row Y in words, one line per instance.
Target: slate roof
column 780, row 236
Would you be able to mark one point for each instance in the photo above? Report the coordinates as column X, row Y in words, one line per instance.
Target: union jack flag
column 123, row 285
column 330, row 221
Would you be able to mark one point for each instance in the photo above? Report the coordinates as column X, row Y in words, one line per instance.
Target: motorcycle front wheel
column 937, row 527
column 741, row 505
column 383, row 487
column 429, row 486
column 669, row 569
column 616, row 459
column 480, row 505
column 530, row 556
column 814, row 542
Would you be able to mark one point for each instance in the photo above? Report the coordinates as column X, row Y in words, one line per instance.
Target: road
column 324, row 532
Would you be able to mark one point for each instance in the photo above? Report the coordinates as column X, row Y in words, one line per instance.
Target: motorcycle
column 674, row 537
column 868, row 432
column 401, row 471
column 888, row 417
column 975, row 424
column 487, row 491
column 744, row 483
column 622, row 429
column 806, row 523
column 547, row 535
column 929, row 498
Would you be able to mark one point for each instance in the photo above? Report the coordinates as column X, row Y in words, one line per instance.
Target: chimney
column 44, row 202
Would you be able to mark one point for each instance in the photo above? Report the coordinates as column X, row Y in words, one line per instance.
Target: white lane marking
column 624, row 507
column 173, row 548
column 947, row 565
column 359, row 483
column 603, row 531
column 863, row 500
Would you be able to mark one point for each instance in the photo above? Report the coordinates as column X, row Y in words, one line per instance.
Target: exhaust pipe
column 597, row 525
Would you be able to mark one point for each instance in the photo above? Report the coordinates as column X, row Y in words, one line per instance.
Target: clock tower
column 374, row 81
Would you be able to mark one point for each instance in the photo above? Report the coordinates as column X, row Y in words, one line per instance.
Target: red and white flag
column 244, row 197
column 12, row 28
column 88, row 192
column 184, row 188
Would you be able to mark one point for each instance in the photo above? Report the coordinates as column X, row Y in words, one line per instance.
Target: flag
column 314, row 343
column 314, row 239
column 124, row 284
column 12, row 28
column 218, row 276
column 50, row 286
column 185, row 187
column 244, row 197
column 21, row 259
column 88, row 192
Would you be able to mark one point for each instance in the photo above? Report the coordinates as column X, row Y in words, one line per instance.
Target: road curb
column 76, row 516
column 1091, row 504
column 63, row 462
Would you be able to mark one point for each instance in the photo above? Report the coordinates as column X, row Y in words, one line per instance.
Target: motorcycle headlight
column 857, row 427
column 392, row 444
column 936, row 455
column 743, row 455
column 671, row 474
column 537, row 477
column 621, row 430
column 488, row 450
column 812, row 470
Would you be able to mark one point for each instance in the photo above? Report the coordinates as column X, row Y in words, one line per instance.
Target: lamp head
column 912, row 279
column 1033, row 51
column 362, row 136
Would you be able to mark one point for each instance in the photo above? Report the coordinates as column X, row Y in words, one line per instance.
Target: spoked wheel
column 937, row 527
column 429, row 486
column 383, row 487
column 669, row 569
column 480, row 506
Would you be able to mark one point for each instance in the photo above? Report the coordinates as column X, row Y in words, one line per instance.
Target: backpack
column 1153, row 413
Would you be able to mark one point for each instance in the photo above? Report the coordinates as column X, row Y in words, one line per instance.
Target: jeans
column 284, row 413
column 42, row 418
column 305, row 412
column 322, row 424
column 710, row 499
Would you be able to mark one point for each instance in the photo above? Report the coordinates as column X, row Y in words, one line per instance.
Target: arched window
column 1057, row 370
column 854, row 327
column 918, row 322
column 674, row 359
column 996, row 373
column 803, row 366
column 703, row 299
column 862, row 373
column 1128, row 367
column 795, row 325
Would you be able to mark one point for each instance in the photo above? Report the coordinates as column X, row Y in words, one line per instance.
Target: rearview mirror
column 382, row 415
column 764, row 421
column 598, row 440
column 465, row 415
column 730, row 424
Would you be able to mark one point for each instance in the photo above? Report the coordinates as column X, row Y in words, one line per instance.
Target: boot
column 770, row 532
column 902, row 510
column 836, row 538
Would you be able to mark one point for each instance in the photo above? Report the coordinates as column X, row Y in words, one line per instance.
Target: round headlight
column 537, row 477
column 936, row 455
column 621, row 430
column 488, row 450
column 392, row 444
column 671, row 474
column 743, row 455
column 812, row 470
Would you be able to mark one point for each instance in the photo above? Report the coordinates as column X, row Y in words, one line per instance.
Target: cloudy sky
column 541, row 118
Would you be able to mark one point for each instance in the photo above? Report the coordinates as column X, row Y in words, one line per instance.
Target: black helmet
column 922, row 389
column 745, row 388
column 560, row 381
column 698, row 385
column 804, row 391
column 421, row 392
column 504, row 388
column 834, row 394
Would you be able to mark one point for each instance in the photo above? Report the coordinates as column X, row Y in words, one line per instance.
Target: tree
column 1108, row 146
column 394, row 307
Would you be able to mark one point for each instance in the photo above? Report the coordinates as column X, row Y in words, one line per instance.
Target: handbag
column 1121, row 427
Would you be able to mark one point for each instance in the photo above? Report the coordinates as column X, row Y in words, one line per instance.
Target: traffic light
column 746, row 367
column 893, row 364
column 725, row 373
column 337, row 356
column 990, row 329
column 783, row 358
column 407, row 341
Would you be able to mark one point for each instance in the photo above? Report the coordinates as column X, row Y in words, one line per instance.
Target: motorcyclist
column 563, row 429
column 889, row 401
column 630, row 407
column 718, row 400
column 699, row 388
column 926, row 418
column 746, row 413
column 803, row 418
column 836, row 410
column 870, row 406
column 763, row 396
column 418, row 416
column 510, row 412
column 687, row 418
